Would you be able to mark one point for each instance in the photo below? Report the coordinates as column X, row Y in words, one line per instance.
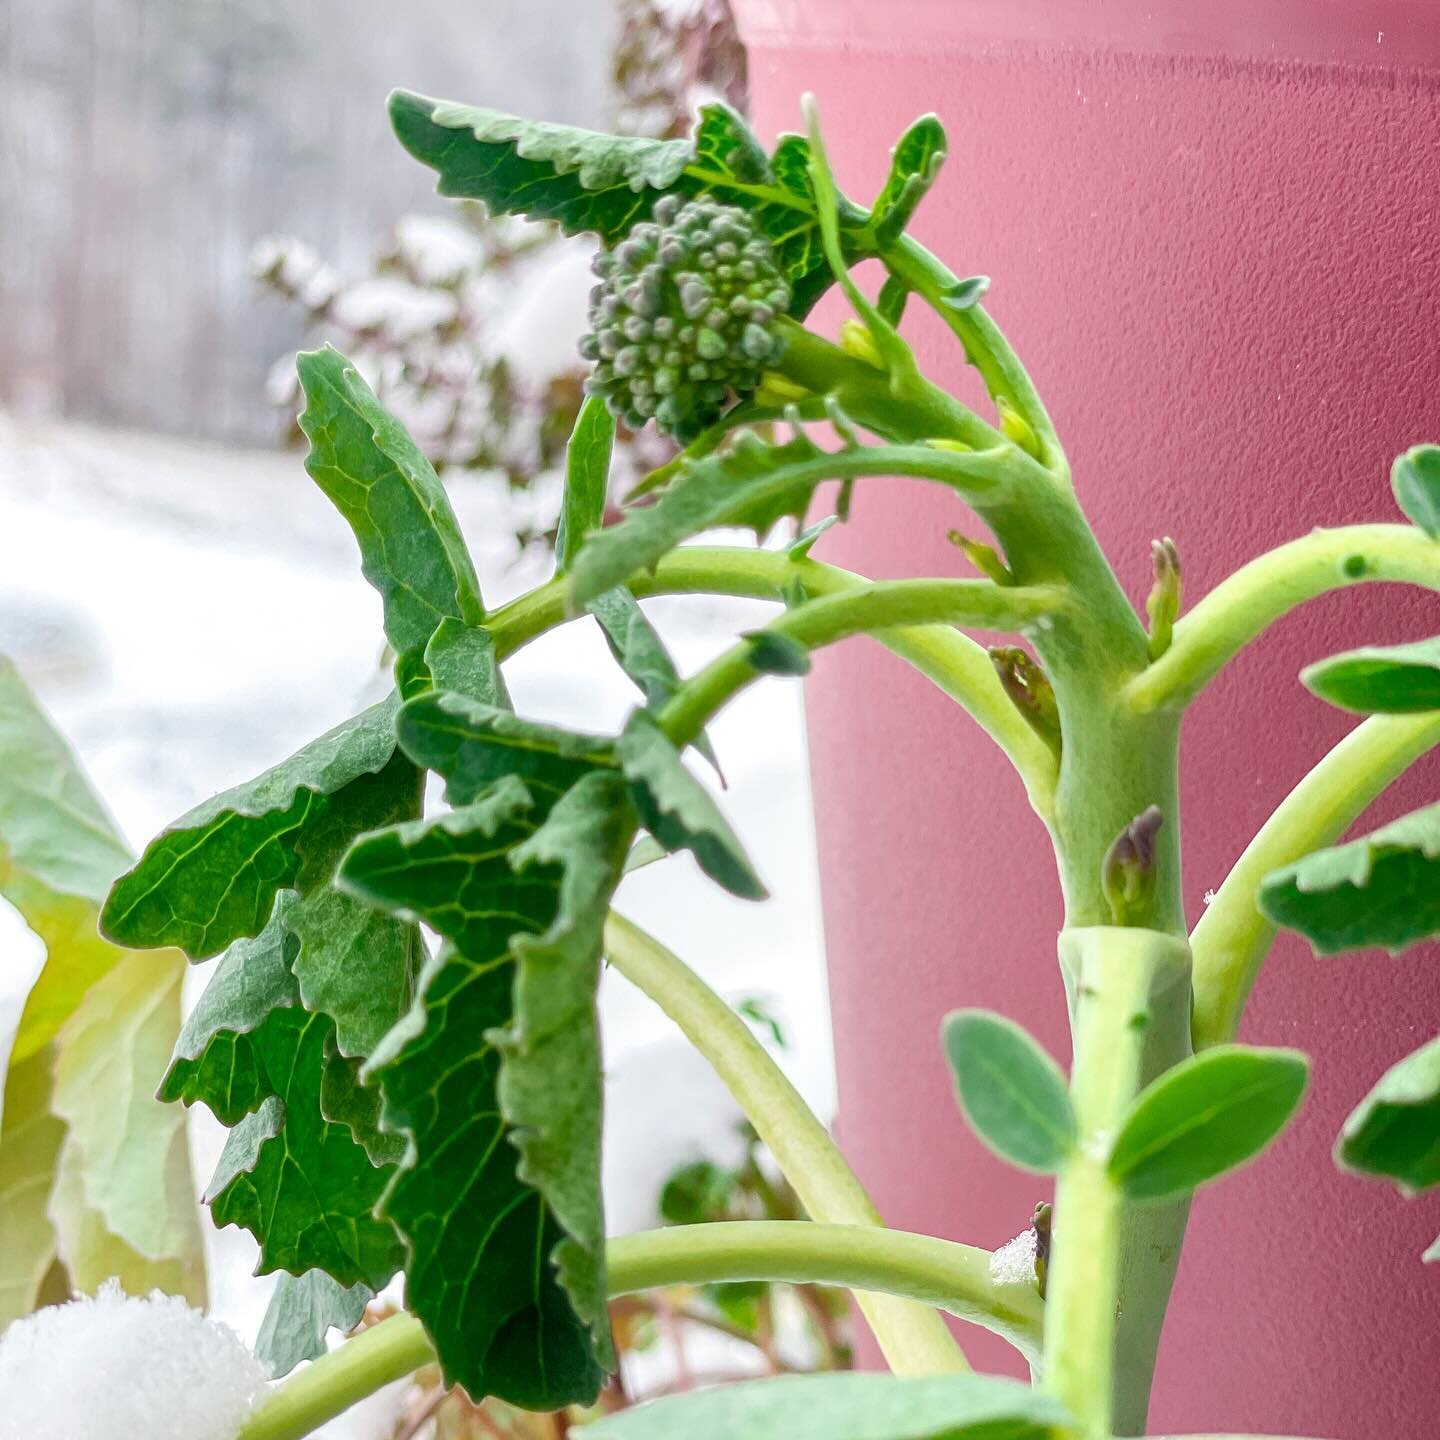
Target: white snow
column 126, row 1368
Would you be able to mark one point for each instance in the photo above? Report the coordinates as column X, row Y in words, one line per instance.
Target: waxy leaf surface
column 1209, row 1114
column 1395, row 1131
column 1382, row 889
column 914, row 167
column 1415, row 479
column 302, row 1312
column 1011, row 1091
column 847, row 1407
column 1390, row 680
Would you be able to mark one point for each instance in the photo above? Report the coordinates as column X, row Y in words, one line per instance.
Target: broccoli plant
column 397, row 1106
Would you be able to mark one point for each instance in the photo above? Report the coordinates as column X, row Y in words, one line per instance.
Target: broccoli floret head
column 684, row 314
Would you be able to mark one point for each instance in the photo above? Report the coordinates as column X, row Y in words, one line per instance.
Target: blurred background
column 190, row 190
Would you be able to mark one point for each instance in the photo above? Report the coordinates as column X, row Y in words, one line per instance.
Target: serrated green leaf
column 461, row 659
column 775, row 653
column 1388, row 680
column 302, row 1312
column 411, row 549
column 1415, row 479
column 755, row 484
column 31, row 1135
column 1011, row 1091
column 914, row 167
column 1382, row 889
column 1395, row 1131
column 473, row 745
column 502, row 1175
column 847, row 1407
column 605, row 184
column 299, row 1182
column 348, row 1099
column 678, row 811
column 211, row 878
column 1210, row 1114
column 587, row 478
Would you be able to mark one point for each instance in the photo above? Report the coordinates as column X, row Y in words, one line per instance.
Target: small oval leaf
column 1415, row 479
column 1208, row 1115
column 1395, row 1130
column 1011, row 1091
column 1375, row 680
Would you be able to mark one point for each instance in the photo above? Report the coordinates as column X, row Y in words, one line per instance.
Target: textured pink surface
column 1223, row 276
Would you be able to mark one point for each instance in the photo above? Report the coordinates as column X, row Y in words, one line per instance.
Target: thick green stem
column 1232, row 938
column 882, row 605
column 1129, row 991
column 1246, row 604
column 956, row 1278
column 866, row 1258
column 913, row 1339
column 957, row 664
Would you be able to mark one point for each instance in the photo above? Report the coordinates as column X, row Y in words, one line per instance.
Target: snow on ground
column 192, row 615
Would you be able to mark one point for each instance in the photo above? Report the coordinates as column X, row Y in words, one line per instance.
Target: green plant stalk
column 1243, row 606
column 1129, row 994
column 1232, row 938
column 913, row 1339
column 935, row 1272
column 957, row 664
column 880, row 606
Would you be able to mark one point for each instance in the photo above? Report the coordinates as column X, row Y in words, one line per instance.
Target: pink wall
column 1220, row 264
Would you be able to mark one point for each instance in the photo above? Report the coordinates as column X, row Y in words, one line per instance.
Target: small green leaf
column 804, row 542
column 847, row 1407
column 473, row 745
column 774, row 653
column 1382, row 889
column 1209, row 1114
column 587, row 479
column 1012, row 1092
column 411, row 549
column 212, row 877
column 461, row 659
column 1389, row 680
column 914, row 167
column 302, row 1312
column 755, row 484
column 966, row 294
column 678, row 811
column 1395, row 1131
column 1415, row 479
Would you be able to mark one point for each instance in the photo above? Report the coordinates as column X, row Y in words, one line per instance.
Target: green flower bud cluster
column 684, row 314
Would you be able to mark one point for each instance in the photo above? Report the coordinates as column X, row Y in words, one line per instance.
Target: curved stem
column 940, row 1273
column 1232, row 938
column 954, row 1277
column 389, row 1351
column 1241, row 607
column 878, row 606
column 914, row 1339
column 957, row 664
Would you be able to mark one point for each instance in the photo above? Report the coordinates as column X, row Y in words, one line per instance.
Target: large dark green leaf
column 1382, row 889
column 678, row 810
column 604, row 184
column 1012, row 1092
column 1391, row 680
column 1395, row 1131
column 473, row 745
column 847, row 1407
column 494, row 1076
column 303, row 1310
column 1208, row 1115
column 212, row 877
column 1415, row 479
column 411, row 549
column 301, row 1184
